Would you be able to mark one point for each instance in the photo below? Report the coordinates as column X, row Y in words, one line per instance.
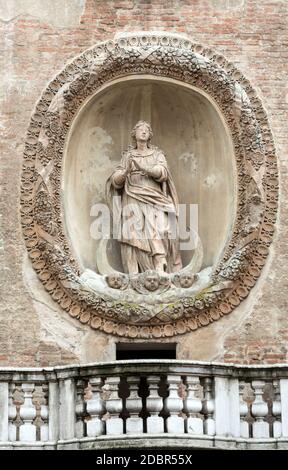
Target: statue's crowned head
column 136, row 127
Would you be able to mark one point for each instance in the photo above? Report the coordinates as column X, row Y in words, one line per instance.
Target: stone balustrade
column 144, row 403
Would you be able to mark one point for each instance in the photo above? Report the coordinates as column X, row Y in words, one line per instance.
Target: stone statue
column 145, row 213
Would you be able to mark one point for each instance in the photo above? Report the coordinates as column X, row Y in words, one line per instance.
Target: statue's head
column 136, row 133
column 151, row 280
column 115, row 281
column 186, row 279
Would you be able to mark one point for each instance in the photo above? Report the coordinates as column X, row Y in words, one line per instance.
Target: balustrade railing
column 192, row 404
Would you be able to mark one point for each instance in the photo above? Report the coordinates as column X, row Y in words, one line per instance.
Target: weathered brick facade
column 36, row 41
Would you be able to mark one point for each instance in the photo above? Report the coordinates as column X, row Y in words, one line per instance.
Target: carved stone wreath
column 49, row 249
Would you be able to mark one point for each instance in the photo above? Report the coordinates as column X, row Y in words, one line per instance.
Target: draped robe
column 145, row 213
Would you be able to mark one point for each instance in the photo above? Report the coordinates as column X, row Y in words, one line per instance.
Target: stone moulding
column 51, row 254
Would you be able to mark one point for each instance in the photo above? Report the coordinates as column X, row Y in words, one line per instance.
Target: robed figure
column 143, row 201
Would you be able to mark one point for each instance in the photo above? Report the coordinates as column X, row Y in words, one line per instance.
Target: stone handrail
column 144, row 403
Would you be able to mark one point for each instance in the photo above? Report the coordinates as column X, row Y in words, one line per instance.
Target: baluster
column 259, row 410
column 134, row 424
column 208, row 407
column 44, row 430
column 4, row 407
column 95, row 408
column 154, row 404
column 173, row 404
column 276, row 410
column 243, row 408
column 80, row 409
column 27, row 414
column 114, row 406
column 284, row 406
column 192, row 406
column 12, row 413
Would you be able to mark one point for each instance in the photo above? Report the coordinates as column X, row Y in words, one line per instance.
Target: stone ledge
column 158, row 441
column 144, row 367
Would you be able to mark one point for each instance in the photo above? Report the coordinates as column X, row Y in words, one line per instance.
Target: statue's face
column 114, row 281
column 142, row 133
column 151, row 282
column 186, row 280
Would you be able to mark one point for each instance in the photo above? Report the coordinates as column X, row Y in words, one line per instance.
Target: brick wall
column 37, row 39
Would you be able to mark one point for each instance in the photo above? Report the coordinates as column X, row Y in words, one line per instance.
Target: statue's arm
column 118, row 178
column 159, row 170
column 119, row 175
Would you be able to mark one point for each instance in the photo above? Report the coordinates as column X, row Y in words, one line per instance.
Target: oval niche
column 211, row 125
column 191, row 131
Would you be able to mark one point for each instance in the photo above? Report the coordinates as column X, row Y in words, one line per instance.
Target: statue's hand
column 155, row 171
column 140, row 167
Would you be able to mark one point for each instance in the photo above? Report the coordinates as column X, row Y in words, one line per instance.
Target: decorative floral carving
column 49, row 250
